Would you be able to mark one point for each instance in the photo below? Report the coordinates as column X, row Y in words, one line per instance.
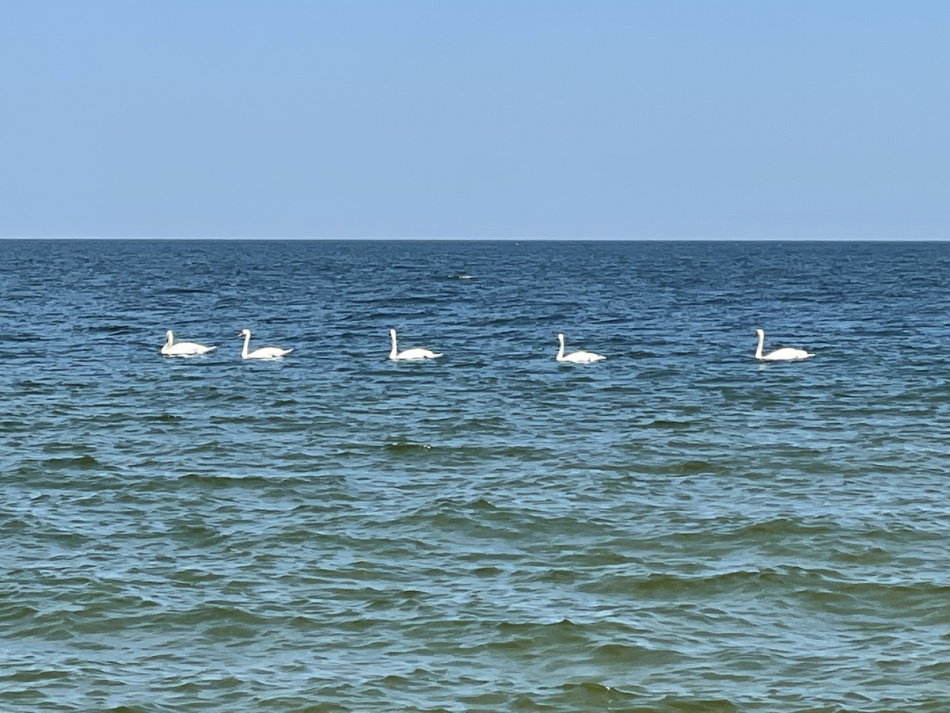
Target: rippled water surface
column 677, row 528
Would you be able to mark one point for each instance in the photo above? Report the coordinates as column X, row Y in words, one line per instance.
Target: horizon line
column 477, row 239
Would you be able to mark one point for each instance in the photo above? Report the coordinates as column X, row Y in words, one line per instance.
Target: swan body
column 783, row 354
column 580, row 357
column 185, row 349
column 409, row 354
column 263, row 352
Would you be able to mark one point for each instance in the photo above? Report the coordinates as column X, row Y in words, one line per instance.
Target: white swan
column 185, row 349
column 263, row 352
column 576, row 357
column 409, row 354
column 784, row 354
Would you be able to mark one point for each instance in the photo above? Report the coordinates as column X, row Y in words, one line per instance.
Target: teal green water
column 677, row 528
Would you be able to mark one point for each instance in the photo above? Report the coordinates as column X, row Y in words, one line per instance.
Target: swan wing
column 787, row 354
column 416, row 354
column 186, row 349
column 583, row 357
column 268, row 353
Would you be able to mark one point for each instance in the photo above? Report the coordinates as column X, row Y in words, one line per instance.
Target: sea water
column 676, row 528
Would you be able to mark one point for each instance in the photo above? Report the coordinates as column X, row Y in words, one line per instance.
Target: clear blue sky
column 507, row 118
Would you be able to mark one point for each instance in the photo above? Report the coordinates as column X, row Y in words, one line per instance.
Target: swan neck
column 560, row 349
column 392, row 352
column 247, row 338
column 758, row 349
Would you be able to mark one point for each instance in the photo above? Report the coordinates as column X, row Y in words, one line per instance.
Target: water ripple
column 675, row 529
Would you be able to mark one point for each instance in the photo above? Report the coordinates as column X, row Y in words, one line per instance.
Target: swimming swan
column 784, row 354
column 185, row 349
column 263, row 352
column 409, row 354
column 576, row 357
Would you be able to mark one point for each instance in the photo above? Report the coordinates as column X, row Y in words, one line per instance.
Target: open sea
column 678, row 528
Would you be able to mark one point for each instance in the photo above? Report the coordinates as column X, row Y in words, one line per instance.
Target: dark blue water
column 677, row 528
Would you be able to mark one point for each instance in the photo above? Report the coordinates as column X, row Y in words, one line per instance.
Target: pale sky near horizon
column 492, row 119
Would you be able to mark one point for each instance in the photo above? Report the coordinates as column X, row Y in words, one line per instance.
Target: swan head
column 244, row 333
column 759, row 333
column 560, row 337
column 392, row 333
column 168, row 335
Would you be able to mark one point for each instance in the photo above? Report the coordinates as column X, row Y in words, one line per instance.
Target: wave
column 83, row 462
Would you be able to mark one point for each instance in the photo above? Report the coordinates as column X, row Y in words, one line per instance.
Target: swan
column 409, row 354
column 263, row 352
column 576, row 357
column 784, row 354
column 185, row 349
